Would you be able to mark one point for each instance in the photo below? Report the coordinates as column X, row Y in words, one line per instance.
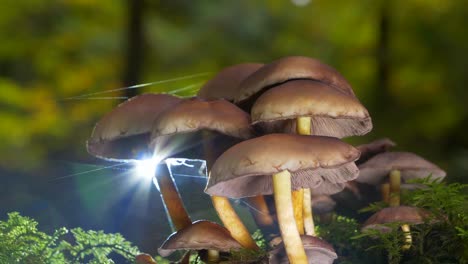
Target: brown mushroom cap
column 246, row 168
column 403, row 214
column 226, row 83
column 128, row 127
column 322, row 204
column 409, row 164
column 318, row 252
column 291, row 68
column 333, row 112
column 195, row 114
column 200, row 235
column 373, row 148
column 185, row 126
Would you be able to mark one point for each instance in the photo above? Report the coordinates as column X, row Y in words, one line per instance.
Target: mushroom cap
column 181, row 128
column 404, row 214
column 144, row 258
column 333, row 112
column 246, row 168
column 318, row 252
column 373, row 148
column 200, row 235
column 409, row 164
column 290, row 68
column 128, row 127
column 226, row 83
column 322, row 204
column 196, row 114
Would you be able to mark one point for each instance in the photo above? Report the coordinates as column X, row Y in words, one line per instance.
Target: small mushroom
column 124, row 134
column 290, row 68
column 332, row 112
column 206, row 129
column 373, row 148
column 405, row 214
column 225, row 85
column 144, row 258
column 278, row 163
column 318, row 252
column 411, row 166
column 199, row 236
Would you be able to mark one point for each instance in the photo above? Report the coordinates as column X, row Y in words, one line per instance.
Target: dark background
column 407, row 62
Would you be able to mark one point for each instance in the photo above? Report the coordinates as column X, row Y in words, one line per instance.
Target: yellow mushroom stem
column 212, row 255
column 408, row 238
column 223, row 206
column 298, row 202
column 232, row 222
column 307, row 213
column 283, row 202
column 395, row 179
column 304, row 127
column 385, row 192
column 171, row 198
column 261, row 213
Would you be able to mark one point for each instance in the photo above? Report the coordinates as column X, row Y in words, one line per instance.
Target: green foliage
column 389, row 243
column 22, row 242
column 339, row 233
column 374, row 207
column 444, row 236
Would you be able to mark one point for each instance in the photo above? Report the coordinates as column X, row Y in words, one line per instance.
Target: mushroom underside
column 339, row 127
column 320, row 180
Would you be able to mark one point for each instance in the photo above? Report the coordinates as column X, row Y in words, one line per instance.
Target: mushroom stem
column 283, row 202
column 171, row 198
column 298, row 202
column 260, row 211
column 307, row 213
column 385, row 192
column 408, row 238
column 223, row 207
column 212, row 255
column 395, row 179
column 232, row 222
column 304, row 127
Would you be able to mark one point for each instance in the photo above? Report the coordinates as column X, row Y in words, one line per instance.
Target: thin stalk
column 304, row 127
column 298, row 204
column 283, row 202
column 223, row 206
column 171, row 198
column 307, row 213
column 385, row 192
column 395, row 181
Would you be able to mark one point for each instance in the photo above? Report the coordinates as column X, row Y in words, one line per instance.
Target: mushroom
column 144, row 258
column 332, row 112
column 308, row 107
column 323, row 206
column 373, row 148
column 318, row 252
column 215, row 126
column 279, row 163
column 124, row 134
column 226, row 83
column 286, row 69
column 409, row 164
column 402, row 214
column 199, row 236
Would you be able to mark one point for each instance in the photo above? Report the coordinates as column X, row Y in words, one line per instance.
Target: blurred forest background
column 407, row 62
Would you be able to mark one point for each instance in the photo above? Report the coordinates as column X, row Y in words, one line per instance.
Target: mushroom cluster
column 269, row 133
